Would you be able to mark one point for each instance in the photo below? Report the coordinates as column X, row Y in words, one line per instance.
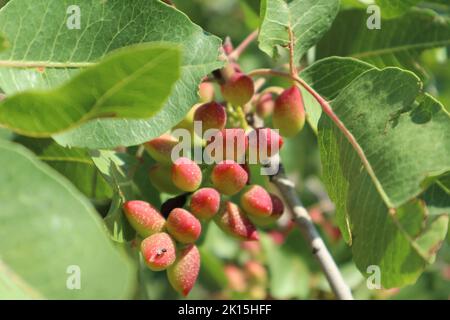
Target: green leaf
column 117, row 169
column 401, row 133
column 12, row 287
column 105, row 26
column 397, row 43
column 345, row 4
column 73, row 163
column 131, row 83
column 391, row 9
column 6, row 134
column 51, row 227
column 437, row 196
column 4, row 44
column 328, row 77
column 308, row 20
column 396, row 129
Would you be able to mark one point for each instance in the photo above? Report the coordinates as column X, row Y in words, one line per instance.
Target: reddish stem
column 244, row 44
column 328, row 111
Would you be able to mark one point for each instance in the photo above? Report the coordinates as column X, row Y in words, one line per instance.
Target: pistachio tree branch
column 303, row 220
column 310, row 233
column 298, row 211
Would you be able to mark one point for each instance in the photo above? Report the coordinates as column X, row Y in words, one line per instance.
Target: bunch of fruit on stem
column 222, row 192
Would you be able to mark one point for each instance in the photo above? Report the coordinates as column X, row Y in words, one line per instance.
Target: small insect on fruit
column 159, row 251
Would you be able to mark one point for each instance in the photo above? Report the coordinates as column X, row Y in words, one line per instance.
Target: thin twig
column 300, row 214
column 309, row 231
column 244, row 44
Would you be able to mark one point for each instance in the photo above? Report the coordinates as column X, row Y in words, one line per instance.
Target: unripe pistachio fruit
column 256, row 272
column 183, row 273
column 158, row 251
column 228, row 177
column 239, row 89
column 234, row 144
column 205, row 203
column 236, row 278
column 143, row 217
column 186, row 174
column 233, row 221
column 212, row 115
column 206, row 92
column 161, row 148
column 289, row 113
column 265, row 142
column 256, row 202
column 265, row 105
column 277, row 212
column 183, row 226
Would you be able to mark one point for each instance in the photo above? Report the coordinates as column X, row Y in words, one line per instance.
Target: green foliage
column 80, row 103
column 75, row 164
column 111, row 25
column 97, row 92
column 307, row 19
column 392, row 9
column 397, row 43
column 328, row 77
column 51, row 227
column 394, row 134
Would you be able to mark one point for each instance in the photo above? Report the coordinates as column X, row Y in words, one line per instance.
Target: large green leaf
column 39, row 32
column 3, row 43
column 133, row 82
column 12, row 287
column 328, row 77
column 402, row 135
column 308, row 20
column 75, row 164
column 397, row 43
column 391, row 9
column 437, row 196
column 48, row 227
